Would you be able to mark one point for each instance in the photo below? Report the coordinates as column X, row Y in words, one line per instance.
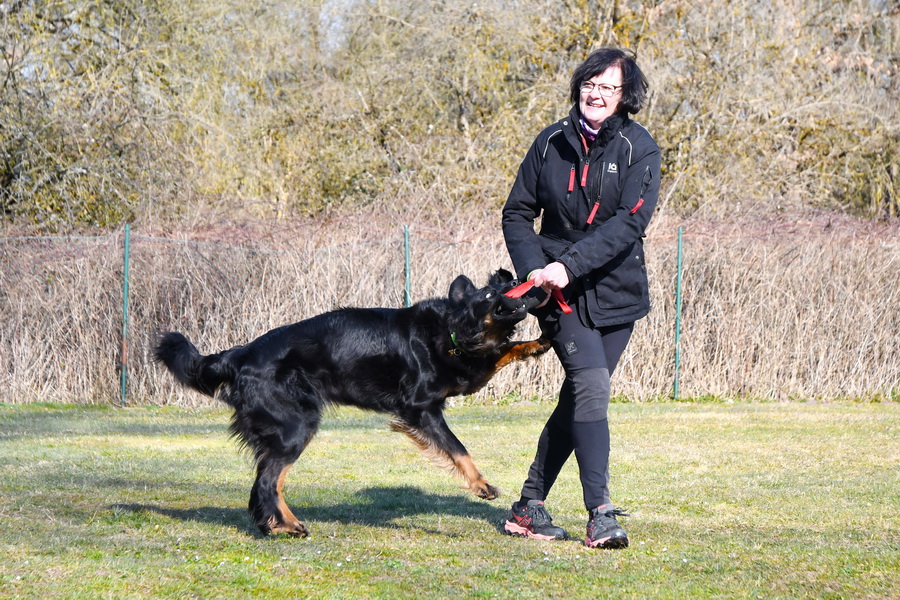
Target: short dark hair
column 634, row 83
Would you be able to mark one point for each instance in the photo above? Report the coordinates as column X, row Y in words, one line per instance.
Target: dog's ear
column 500, row 278
column 461, row 288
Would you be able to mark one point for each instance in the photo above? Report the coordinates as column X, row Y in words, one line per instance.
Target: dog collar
column 455, row 350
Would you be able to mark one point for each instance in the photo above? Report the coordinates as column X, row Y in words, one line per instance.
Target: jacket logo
column 612, row 168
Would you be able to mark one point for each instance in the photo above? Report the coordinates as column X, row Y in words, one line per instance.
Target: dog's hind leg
column 430, row 432
column 267, row 505
column 278, row 443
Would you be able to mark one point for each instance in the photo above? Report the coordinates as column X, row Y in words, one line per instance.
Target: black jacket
column 595, row 206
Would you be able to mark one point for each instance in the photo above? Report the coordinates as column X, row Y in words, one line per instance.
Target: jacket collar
column 608, row 130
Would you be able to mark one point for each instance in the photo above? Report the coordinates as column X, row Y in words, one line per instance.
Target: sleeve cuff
column 570, row 266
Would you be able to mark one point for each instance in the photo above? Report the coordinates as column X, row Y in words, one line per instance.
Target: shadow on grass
column 374, row 507
column 27, row 422
column 227, row 517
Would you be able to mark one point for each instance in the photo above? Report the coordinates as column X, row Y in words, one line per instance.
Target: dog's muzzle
column 516, row 307
column 527, row 301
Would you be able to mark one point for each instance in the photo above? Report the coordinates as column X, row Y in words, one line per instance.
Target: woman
column 593, row 178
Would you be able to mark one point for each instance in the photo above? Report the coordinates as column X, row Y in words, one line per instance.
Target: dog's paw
column 295, row 529
column 534, row 348
column 291, row 528
column 543, row 345
column 487, row 491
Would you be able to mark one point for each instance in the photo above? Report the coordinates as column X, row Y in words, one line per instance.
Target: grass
column 727, row 501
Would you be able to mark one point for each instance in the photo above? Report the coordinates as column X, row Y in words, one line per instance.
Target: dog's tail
column 202, row 373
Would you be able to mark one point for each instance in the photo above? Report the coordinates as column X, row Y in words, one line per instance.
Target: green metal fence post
column 678, row 315
column 124, row 373
column 408, row 289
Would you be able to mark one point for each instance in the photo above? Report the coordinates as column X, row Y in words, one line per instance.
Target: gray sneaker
column 603, row 530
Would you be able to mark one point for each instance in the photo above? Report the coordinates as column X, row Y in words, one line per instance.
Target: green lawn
column 727, row 501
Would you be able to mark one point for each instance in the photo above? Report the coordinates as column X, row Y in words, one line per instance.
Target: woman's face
column 595, row 104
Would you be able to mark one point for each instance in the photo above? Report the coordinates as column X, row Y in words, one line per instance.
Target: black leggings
column 579, row 422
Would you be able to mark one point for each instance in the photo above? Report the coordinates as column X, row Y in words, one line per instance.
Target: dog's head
column 484, row 318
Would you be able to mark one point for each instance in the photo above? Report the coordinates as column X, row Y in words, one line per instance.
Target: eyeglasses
column 604, row 89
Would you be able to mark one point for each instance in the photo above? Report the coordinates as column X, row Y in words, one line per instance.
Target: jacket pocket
column 622, row 282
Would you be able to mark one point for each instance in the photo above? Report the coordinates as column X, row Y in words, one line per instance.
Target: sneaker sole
column 607, row 542
column 510, row 528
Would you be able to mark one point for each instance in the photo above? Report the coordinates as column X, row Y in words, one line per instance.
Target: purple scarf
column 589, row 134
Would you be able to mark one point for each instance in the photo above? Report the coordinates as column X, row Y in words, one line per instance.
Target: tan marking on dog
column 285, row 521
column 475, row 481
column 521, row 351
column 460, row 465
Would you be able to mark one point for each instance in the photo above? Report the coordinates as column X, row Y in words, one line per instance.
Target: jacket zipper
column 596, row 206
column 645, row 183
column 584, row 180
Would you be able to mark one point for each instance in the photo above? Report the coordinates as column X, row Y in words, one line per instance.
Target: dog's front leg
column 430, row 432
column 516, row 351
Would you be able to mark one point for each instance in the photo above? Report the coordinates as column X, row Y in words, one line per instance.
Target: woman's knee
column 590, row 391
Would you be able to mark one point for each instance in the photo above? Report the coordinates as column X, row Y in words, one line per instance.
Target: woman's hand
column 552, row 277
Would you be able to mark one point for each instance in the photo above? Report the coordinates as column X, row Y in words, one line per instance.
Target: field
column 727, row 500
column 222, row 168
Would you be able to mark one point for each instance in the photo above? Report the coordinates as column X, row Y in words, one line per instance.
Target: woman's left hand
column 552, row 277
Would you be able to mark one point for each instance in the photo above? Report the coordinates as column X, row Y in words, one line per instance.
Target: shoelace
column 539, row 515
column 608, row 515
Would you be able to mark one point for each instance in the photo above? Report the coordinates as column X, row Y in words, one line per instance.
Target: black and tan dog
column 404, row 362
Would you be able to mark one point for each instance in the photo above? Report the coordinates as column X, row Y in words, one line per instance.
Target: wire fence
column 771, row 317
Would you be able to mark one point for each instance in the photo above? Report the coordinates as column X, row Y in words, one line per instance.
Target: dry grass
column 790, row 309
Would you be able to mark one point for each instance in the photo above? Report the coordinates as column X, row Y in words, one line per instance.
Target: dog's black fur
column 404, row 362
